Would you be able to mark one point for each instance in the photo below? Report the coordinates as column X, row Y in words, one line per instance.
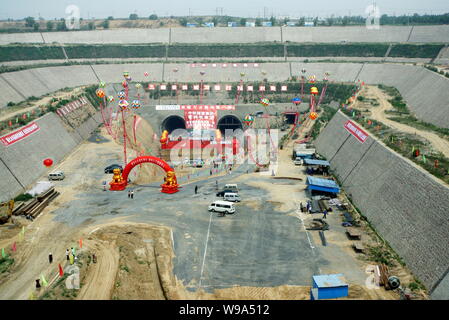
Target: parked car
column 197, row 163
column 222, row 207
column 222, row 192
column 231, row 186
column 232, row 197
column 56, row 175
column 109, row 169
column 298, row 161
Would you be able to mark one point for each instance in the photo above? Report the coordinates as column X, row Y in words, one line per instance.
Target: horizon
column 55, row 9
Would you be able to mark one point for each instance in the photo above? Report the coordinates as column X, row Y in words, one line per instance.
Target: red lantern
column 48, row 162
column 313, row 115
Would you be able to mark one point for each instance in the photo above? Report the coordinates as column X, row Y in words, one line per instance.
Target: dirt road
column 378, row 113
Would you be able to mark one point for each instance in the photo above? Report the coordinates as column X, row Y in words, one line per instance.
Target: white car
column 222, row 206
column 232, row 197
column 56, row 175
column 298, row 161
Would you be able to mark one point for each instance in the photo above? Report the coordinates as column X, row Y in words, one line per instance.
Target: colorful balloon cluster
column 138, row 86
column 312, row 79
column 102, row 84
column 265, row 102
column 146, row 74
column 314, row 90
column 248, row 120
column 313, row 115
column 121, row 95
column 100, row 93
column 135, row 104
column 111, row 98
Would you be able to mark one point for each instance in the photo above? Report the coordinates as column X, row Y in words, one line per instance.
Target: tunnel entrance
column 172, row 123
column 229, row 122
column 289, row 118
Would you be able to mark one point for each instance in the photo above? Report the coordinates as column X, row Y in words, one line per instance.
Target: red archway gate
column 120, row 179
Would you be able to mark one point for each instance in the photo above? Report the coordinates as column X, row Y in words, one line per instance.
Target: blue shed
column 329, row 286
column 324, row 185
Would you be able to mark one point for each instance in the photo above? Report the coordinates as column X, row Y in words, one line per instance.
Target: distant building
column 250, row 24
column 309, row 24
column 191, row 25
column 209, row 24
column 232, row 24
column 267, row 24
column 291, row 24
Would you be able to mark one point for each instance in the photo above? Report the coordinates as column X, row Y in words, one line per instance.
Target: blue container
column 329, row 286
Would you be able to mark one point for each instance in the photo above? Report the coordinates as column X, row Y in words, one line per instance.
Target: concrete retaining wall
column 417, row 34
column 426, row 92
column 24, row 158
column 405, row 204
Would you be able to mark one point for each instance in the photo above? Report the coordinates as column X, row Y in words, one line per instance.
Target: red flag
column 61, row 272
column 24, row 116
column 14, row 248
column 10, row 123
column 81, row 243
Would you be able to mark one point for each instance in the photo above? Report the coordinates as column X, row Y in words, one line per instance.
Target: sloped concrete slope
column 405, row 204
column 417, row 34
column 21, row 163
column 426, row 92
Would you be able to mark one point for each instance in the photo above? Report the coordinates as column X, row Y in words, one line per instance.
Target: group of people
column 308, row 208
column 131, row 194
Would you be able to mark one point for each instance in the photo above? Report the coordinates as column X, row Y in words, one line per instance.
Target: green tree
column 153, row 17
column 183, row 21
column 301, row 22
column 258, row 22
column 50, row 25
column 36, row 26
column 91, row 25
column 105, row 24
column 200, row 21
column 243, row 22
column 110, row 18
column 29, row 22
column 273, row 21
column 133, row 16
column 61, row 25
column 215, row 21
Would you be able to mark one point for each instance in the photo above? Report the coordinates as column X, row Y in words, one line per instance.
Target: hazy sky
column 49, row 9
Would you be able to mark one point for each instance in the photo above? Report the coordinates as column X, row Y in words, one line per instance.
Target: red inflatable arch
column 120, row 179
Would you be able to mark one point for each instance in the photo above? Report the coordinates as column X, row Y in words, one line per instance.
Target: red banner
column 356, row 131
column 19, row 134
column 207, row 107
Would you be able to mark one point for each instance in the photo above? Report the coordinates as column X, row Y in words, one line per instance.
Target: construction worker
column 67, row 254
column 38, row 284
column 196, row 189
column 324, row 214
column 50, row 258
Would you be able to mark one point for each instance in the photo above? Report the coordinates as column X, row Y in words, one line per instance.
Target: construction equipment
column 6, row 209
column 318, row 224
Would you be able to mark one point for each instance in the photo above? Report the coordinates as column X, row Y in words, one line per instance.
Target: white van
column 233, row 197
column 56, row 175
column 222, row 206
column 232, row 187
